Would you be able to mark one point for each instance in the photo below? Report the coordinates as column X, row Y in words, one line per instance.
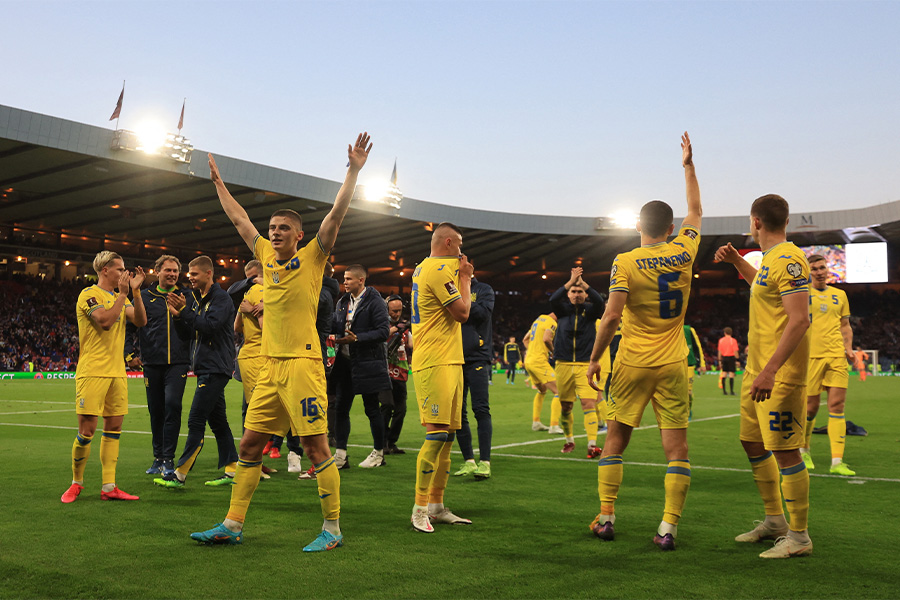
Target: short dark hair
column 815, row 258
column 448, row 225
column 358, row 270
column 772, row 210
column 656, row 216
column 727, row 330
column 202, row 262
column 293, row 215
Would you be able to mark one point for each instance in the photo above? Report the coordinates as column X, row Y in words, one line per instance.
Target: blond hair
column 103, row 258
column 252, row 264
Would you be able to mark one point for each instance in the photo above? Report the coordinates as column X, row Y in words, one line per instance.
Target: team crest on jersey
column 91, row 302
column 81, row 403
column 690, row 233
column 451, row 289
column 794, row 269
column 435, row 410
column 474, row 297
column 823, row 308
column 275, row 277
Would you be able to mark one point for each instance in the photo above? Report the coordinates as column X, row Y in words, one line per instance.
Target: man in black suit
column 362, row 326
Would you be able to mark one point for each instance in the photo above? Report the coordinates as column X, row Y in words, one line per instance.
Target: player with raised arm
column 649, row 286
column 101, row 384
column 290, row 393
column 830, row 347
column 441, row 301
column 773, row 392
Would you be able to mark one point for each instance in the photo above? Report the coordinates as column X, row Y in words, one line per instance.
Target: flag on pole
column 181, row 119
column 118, row 110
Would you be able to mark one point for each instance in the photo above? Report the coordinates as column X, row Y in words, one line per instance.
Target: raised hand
column 137, row 279
column 576, row 275
column 727, row 254
column 124, row 282
column 175, row 302
column 466, row 269
column 214, row 170
column 687, row 154
column 358, row 153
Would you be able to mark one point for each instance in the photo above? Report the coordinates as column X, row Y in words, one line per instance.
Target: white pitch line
column 37, row 412
column 557, row 438
column 38, row 401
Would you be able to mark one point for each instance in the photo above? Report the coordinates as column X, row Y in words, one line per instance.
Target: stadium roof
column 65, row 193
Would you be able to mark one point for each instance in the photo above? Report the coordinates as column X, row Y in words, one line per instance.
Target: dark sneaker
column 665, row 542
column 155, row 468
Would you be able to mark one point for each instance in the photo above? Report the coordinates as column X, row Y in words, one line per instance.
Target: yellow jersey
column 291, row 295
column 783, row 271
column 657, row 279
column 826, row 309
column 252, row 330
column 538, row 353
column 437, row 334
column 101, row 353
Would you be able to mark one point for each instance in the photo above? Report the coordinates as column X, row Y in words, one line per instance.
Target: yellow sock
column 721, row 377
column 426, row 463
column 81, row 449
column 230, row 468
column 536, row 406
column 329, row 481
column 185, row 468
column 677, row 482
column 246, row 478
column 555, row 410
column 109, row 455
column 837, row 431
column 807, row 431
column 590, row 426
column 609, row 478
column 600, row 408
column 795, row 487
column 441, row 473
column 765, row 473
column 567, row 420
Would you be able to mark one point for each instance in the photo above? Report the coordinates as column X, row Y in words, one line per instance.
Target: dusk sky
column 571, row 108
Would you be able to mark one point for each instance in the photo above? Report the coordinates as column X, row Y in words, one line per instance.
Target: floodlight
column 381, row 191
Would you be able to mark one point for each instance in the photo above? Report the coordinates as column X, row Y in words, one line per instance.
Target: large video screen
column 849, row 263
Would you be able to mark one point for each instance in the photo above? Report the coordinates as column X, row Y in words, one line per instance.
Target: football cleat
column 466, row 469
column 604, row 531
column 325, row 541
column 664, row 542
column 308, row 474
column 71, row 494
column 294, row 463
column 373, row 460
column 594, row 452
column 842, row 469
column 223, row 480
column 807, row 460
column 268, row 448
column 483, row 471
column 761, row 532
column 538, row 426
column 218, row 535
column 448, row 518
column 168, row 467
column 275, row 452
column 786, row 547
column 555, row 429
column 169, row 481
column 117, row 494
column 420, row 520
column 568, row 447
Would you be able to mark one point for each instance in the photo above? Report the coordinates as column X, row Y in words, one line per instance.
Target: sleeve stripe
column 796, row 291
column 321, row 247
column 618, row 289
column 452, row 300
column 93, row 309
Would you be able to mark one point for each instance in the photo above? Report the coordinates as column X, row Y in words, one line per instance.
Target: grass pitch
column 529, row 539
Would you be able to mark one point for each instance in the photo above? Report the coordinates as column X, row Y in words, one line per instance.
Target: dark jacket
column 371, row 325
column 159, row 342
column 477, row 332
column 576, row 325
column 327, row 297
column 210, row 322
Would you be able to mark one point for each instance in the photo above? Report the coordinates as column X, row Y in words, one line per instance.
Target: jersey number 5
column 667, row 296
